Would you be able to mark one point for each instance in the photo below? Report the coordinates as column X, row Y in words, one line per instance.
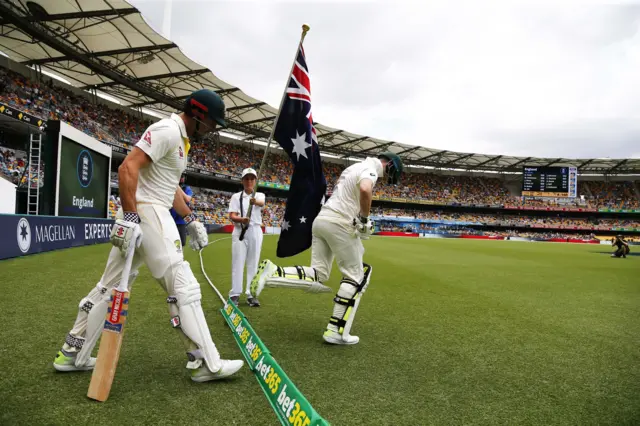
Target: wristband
column 131, row 217
column 189, row 218
column 363, row 219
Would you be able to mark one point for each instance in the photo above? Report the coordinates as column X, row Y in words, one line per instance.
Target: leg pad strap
column 75, row 342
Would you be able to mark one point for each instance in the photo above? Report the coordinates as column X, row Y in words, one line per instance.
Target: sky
column 546, row 78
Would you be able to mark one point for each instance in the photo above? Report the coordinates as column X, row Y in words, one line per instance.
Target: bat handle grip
column 244, row 231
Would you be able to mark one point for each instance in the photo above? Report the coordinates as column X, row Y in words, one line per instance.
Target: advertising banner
column 22, row 116
column 289, row 404
column 23, row 235
column 619, row 210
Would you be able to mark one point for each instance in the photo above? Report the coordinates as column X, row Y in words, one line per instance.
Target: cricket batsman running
column 149, row 178
column 337, row 231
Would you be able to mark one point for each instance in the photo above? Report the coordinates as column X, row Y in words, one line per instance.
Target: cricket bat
column 112, row 335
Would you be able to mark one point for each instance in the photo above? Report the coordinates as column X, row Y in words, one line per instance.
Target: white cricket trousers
column 333, row 237
column 244, row 253
column 161, row 251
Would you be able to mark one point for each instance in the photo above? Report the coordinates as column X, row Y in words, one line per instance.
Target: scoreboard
column 553, row 182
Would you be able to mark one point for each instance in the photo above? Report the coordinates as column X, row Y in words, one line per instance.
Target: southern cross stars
column 286, row 225
column 300, row 145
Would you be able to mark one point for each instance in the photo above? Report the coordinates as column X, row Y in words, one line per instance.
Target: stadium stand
column 505, row 219
column 51, row 100
column 13, row 168
column 211, row 207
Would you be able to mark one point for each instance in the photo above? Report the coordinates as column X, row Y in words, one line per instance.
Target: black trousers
column 622, row 251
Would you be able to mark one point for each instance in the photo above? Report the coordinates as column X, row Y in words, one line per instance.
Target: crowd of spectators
column 612, row 195
column 507, row 219
column 53, row 101
column 47, row 100
column 461, row 230
column 211, row 207
column 13, row 167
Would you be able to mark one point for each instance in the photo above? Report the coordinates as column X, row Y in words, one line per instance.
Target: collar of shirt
column 377, row 164
column 183, row 132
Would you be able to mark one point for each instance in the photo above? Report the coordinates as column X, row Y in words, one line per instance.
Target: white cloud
column 541, row 79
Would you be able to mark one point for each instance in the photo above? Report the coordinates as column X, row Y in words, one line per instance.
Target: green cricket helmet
column 394, row 167
column 206, row 103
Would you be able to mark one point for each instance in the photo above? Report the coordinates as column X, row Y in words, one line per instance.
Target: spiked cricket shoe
column 335, row 338
column 64, row 362
column 265, row 271
column 229, row 368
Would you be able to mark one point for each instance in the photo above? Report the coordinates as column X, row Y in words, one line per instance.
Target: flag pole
column 305, row 29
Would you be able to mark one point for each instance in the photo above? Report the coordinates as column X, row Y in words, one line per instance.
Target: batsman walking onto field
column 149, row 178
column 337, row 232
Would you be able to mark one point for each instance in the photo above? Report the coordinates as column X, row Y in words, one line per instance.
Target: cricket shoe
column 235, row 300
column 265, row 271
column 253, row 302
column 335, row 338
column 229, row 367
column 67, row 362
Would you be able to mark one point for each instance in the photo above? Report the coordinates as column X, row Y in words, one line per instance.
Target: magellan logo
column 24, row 235
column 85, row 168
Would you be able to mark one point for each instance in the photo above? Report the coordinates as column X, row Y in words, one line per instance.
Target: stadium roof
column 106, row 45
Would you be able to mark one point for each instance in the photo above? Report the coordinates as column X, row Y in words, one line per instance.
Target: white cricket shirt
column 345, row 200
column 256, row 211
column 167, row 144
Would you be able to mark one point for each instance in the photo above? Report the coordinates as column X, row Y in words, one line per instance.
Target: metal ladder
column 33, row 168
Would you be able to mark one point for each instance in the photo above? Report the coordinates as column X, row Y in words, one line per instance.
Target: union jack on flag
column 296, row 134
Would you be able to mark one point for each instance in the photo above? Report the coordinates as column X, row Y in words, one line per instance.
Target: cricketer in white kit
column 337, row 231
column 247, row 251
column 149, row 178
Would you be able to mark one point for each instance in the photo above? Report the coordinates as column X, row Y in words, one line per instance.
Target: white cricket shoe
column 64, row 363
column 229, row 368
column 265, row 271
column 335, row 338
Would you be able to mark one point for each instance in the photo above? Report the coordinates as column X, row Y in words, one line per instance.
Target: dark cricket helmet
column 206, row 103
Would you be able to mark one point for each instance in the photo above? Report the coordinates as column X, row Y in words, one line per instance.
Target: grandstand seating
column 549, row 221
column 52, row 100
column 211, row 207
column 13, row 168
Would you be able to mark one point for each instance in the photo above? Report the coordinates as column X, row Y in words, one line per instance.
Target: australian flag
column 297, row 136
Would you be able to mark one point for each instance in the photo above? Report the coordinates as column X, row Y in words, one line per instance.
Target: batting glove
column 126, row 233
column 198, row 233
column 363, row 227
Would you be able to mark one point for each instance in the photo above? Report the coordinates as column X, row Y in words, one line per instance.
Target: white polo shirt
column 256, row 212
column 167, row 144
column 345, row 199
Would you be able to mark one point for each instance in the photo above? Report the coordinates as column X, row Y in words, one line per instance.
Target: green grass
column 451, row 332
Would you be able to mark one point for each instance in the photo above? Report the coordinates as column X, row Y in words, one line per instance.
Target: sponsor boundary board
column 289, row 404
column 22, row 234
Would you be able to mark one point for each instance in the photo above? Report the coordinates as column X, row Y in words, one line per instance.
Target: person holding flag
column 245, row 253
column 333, row 230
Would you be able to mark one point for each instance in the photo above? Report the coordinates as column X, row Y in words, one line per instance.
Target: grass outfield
column 451, row 332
